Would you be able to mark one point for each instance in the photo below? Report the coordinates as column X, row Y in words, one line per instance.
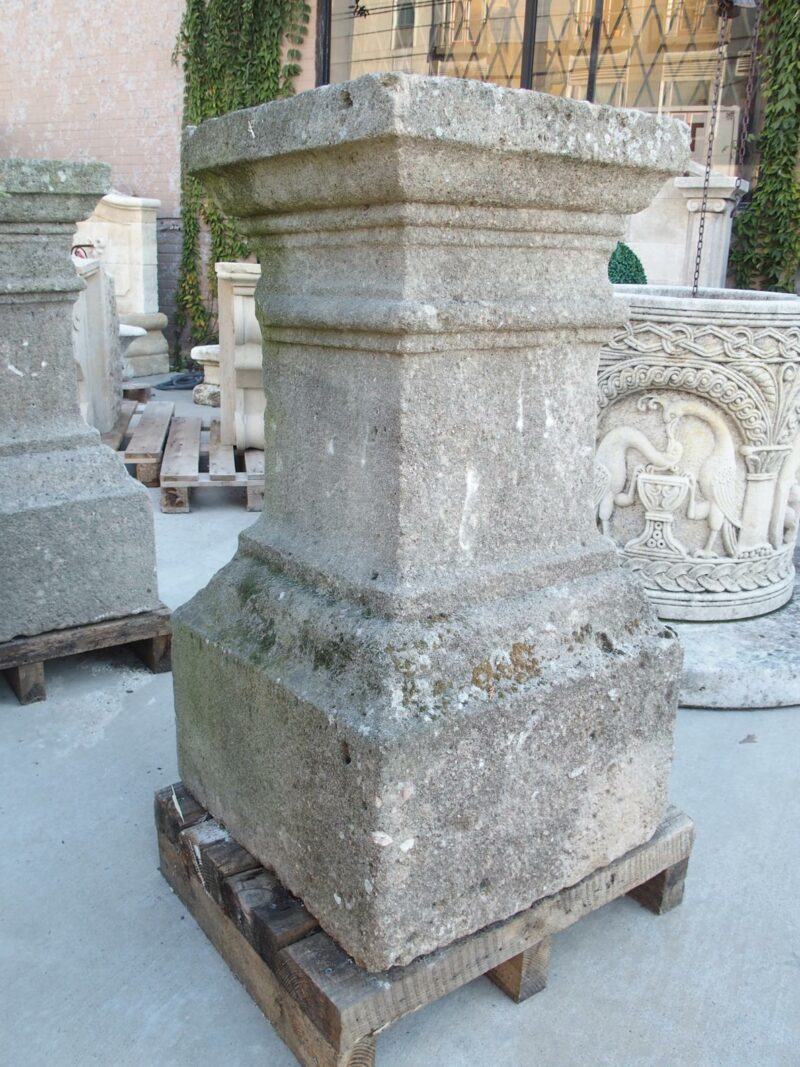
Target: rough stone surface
column 98, row 352
column 424, row 690
column 206, row 394
column 698, row 450
column 77, row 531
column 148, row 354
column 752, row 663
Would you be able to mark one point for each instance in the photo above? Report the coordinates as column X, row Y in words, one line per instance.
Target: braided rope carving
column 713, row 576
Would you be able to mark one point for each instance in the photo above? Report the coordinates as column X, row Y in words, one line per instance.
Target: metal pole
column 594, row 56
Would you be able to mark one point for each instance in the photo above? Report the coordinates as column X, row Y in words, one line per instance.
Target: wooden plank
column 147, row 473
column 114, row 437
column 665, row 891
column 265, row 912
column 203, row 479
column 345, row 1002
column 286, row 1016
column 155, row 653
column 147, row 442
column 181, row 461
column 137, row 393
column 76, row 639
column 27, row 681
column 215, row 855
column 176, row 810
column 174, row 501
column 221, row 458
column 254, row 464
column 525, row 974
column 255, row 497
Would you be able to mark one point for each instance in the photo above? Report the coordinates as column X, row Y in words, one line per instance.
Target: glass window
column 461, row 38
column 655, row 55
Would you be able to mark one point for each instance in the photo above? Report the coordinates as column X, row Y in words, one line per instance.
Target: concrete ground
column 100, row 965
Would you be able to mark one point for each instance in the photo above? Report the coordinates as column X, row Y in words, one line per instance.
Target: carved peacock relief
column 698, row 449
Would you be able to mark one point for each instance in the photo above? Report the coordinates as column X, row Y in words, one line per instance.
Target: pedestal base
column 751, row 663
column 327, row 1010
column 78, row 540
column 384, row 767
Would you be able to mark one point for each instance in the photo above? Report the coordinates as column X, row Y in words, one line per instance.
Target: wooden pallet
column 23, row 659
column 325, row 1008
column 189, row 463
column 146, row 446
column 119, row 431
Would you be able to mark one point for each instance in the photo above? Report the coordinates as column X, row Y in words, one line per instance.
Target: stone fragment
column 206, row 394
column 76, row 529
column 96, row 341
column 424, row 691
column 241, row 386
column 121, row 232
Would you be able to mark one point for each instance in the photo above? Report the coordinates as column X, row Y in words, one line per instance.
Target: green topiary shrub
column 625, row 267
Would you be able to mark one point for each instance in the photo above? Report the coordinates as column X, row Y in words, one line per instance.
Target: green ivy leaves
column 766, row 251
column 234, row 55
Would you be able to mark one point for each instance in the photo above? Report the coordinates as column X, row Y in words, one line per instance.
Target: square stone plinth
column 414, row 781
column 424, row 691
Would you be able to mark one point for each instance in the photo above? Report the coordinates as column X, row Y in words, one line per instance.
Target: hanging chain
column 747, row 114
column 724, row 14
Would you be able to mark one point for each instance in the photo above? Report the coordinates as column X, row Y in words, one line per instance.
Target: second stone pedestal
column 77, row 531
column 424, row 691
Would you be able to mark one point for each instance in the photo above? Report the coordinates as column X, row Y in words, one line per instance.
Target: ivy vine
column 234, row 55
column 766, row 251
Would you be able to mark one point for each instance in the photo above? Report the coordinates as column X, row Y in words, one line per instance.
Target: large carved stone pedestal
column 704, row 393
column 424, row 691
column 76, row 529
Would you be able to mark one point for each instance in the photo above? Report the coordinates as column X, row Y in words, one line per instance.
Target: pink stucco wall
column 85, row 79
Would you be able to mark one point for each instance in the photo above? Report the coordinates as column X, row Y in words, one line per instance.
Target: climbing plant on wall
column 234, row 55
column 766, row 252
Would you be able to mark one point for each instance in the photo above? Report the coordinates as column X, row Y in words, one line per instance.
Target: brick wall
column 85, row 79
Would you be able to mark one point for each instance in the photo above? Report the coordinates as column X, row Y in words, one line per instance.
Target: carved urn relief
column 698, row 450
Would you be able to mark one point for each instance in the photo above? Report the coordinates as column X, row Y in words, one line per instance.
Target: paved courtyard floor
column 100, row 965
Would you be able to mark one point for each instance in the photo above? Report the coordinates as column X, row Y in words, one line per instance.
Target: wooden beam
column 221, row 458
column 27, row 681
column 68, row 642
column 181, row 462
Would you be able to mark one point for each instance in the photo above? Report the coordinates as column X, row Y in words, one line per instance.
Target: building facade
column 79, row 80
column 653, row 55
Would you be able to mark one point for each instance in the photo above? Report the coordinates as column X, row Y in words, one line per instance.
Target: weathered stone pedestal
column 76, row 530
column 424, row 691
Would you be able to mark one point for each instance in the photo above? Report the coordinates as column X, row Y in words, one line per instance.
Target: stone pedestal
column 241, row 385
column 76, row 529
column 424, row 690
column 122, row 233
